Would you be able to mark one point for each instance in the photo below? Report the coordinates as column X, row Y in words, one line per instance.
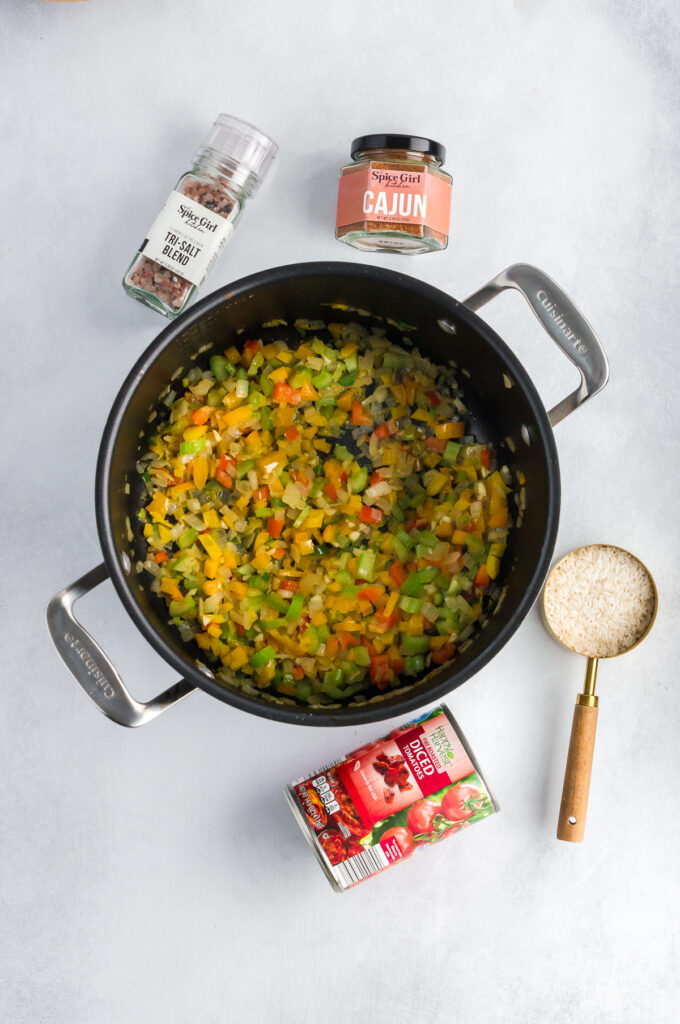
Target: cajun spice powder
column 394, row 196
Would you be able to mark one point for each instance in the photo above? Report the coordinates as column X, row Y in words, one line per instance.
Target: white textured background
column 157, row 876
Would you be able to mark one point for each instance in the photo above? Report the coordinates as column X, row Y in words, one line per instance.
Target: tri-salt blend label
column 186, row 238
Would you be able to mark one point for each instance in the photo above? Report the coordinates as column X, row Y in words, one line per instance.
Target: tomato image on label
column 421, row 816
column 401, row 837
column 462, row 802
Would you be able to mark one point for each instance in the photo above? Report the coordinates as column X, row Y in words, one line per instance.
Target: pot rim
column 383, row 708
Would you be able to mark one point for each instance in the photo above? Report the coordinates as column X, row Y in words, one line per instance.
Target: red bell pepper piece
column 371, row 594
column 385, row 621
column 330, row 492
column 274, row 527
column 359, row 417
column 380, row 671
column 369, row 514
column 292, row 433
column 482, row 577
column 417, row 523
column 225, row 467
column 347, row 640
column 436, row 444
column 397, row 573
column 201, row 416
column 444, row 653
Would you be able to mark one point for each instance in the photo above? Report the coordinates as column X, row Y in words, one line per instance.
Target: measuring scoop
column 579, row 589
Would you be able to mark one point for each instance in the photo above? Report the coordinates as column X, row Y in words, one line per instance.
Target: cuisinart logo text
column 96, row 675
column 560, row 323
column 196, row 221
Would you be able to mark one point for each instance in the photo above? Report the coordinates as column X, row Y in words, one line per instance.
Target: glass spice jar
column 199, row 216
column 394, row 196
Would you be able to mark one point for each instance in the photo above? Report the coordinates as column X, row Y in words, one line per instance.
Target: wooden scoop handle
column 572, row 821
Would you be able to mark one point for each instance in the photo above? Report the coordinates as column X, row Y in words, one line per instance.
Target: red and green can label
column 381, row 802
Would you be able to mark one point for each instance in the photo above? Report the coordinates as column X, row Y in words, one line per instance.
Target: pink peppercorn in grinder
column 199, row 216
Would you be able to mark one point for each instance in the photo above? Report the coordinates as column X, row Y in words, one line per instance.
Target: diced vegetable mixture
column 319, row 519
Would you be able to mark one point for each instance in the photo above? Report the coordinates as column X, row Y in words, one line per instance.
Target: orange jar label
column 394, row 196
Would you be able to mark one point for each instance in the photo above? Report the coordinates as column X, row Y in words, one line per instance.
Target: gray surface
column 158, row 876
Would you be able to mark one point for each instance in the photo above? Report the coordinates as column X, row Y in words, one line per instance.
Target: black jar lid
column 413, row 142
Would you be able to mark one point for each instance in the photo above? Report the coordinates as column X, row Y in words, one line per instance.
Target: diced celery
column 359, row 480
column 295, row 609
column 414, row 644
column 186, row 539
column 182, row 608
column 366, row 566
column 262, row 657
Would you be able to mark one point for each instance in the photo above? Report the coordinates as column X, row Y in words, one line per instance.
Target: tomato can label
column 382, row 802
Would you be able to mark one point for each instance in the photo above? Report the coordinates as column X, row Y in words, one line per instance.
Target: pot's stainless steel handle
column 90, row 666
column 565, row 324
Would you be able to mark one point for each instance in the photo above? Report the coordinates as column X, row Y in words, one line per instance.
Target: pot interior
column 504, row 409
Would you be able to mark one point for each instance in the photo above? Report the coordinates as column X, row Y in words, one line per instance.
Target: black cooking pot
column 504, row 407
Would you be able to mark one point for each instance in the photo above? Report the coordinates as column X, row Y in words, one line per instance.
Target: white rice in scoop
column 598, row 601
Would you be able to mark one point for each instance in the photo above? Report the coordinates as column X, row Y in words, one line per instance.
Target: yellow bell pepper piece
column 262, row 559
column 158, row 506
column 193, row 433
column 199, row 471
column 444, row 431
column 391, row 603
column 308, row 393
column 169, row 586
column 279, row 375
column 353, row 506
column 493, row 565
column 236, row 416
column 261, row 539
column 436, row 483
column 211, row 546
column 237, row 590
column 164, row 533
column 237, row 658
column 210, row 567
column 314, row 520
column 211, row 518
